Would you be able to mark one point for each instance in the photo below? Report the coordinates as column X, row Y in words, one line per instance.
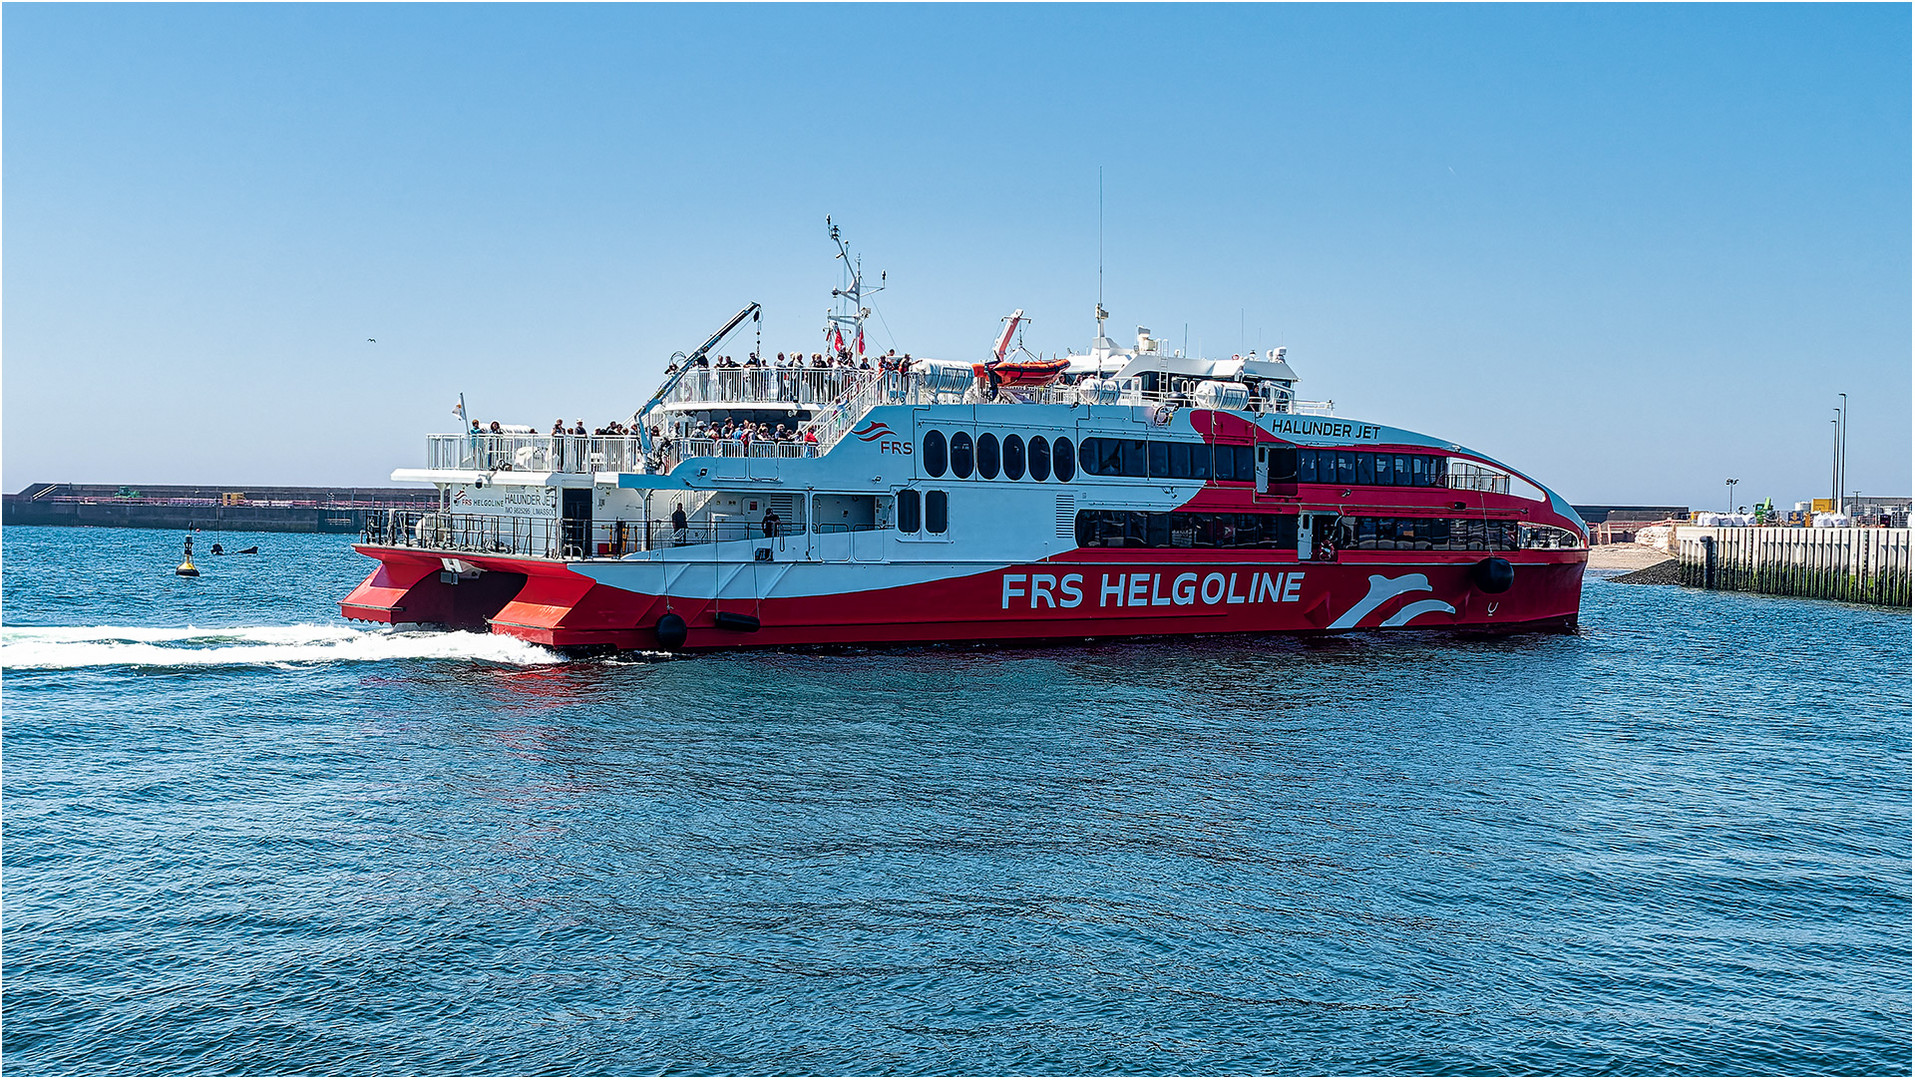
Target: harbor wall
column 275, row 509
column 1867, row 566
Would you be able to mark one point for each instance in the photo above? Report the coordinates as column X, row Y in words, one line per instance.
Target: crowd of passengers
column 840, row 359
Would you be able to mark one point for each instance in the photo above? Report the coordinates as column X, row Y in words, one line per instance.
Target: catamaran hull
column 617, row 604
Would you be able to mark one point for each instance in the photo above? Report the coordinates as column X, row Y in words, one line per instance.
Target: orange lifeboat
column 1021, row 372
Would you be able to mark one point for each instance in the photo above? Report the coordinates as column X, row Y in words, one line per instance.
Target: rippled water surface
column 243, row 836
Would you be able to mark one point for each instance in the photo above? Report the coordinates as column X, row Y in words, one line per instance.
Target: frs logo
column 887, row 440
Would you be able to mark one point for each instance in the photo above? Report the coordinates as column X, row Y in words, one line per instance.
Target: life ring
column 1163, row 414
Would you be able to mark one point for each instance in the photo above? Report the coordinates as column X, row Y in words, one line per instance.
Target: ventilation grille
column 1067, row 517
column 784, row 506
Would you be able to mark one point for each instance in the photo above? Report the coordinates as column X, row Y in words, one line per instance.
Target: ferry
column 1120, row 491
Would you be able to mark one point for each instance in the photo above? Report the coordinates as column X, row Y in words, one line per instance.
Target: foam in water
column 27, row 647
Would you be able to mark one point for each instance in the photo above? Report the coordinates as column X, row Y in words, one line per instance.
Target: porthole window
column 1040, row 458
column 1013, row 457
column 934, row 453
column 1061, row 453
column 961, row 454
column 987, row 456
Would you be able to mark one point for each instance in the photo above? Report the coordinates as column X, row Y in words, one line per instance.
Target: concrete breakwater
column 1868, row 566
column 172, row 506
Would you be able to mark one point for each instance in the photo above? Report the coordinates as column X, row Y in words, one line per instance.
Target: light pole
column 1835, row 461
column 1842, row 457
column 1732, row 484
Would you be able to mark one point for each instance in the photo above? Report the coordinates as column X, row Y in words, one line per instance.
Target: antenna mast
column 849, row 311
column 1103, row 346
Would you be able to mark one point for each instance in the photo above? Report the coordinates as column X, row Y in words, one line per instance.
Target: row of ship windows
column 1042, row 458
column 1359, row 467
column 930, row 512
column 1143, row 529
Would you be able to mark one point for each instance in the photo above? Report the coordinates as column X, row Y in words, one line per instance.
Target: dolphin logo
column 874, row 430
column 1382, row 591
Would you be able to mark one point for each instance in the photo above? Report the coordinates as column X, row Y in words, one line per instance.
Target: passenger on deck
column 678, row 524
column 811, row 443
column 818, row 360
column 771, row 524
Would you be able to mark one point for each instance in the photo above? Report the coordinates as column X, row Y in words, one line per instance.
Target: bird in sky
column 375, row 341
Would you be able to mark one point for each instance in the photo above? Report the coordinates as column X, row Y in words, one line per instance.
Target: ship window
column 1366, row 468
column 1041, row 459
column 934, row 453
column 1241, row 461
column 1177, row 458
column 1200, row 461
column 910, row 519
column 937, row 511
column 1013, row 457
column 961, row 454
column 1419, row 470
column 1283, row 465
column 987, row 461
column 1225, row 463
column 1346, row 467
column 1159, row 454
column 1402, row 470
column 1307, row 466
column 1061, row 460
column 1439, row 472
column 1132, row 455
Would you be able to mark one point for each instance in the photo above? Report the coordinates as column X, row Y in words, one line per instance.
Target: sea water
column 243, row 836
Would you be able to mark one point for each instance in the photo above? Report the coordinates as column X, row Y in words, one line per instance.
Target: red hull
column 1087, row 594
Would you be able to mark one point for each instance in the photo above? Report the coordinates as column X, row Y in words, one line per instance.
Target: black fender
column 1493, row 575
column 671, row 632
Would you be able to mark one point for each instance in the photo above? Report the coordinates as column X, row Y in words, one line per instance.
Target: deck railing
column 562, row 538
column 857, row 393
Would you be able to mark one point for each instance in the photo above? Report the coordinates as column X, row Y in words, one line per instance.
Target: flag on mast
column 459, row 410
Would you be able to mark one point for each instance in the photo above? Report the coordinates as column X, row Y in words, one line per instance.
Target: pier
column 1867, row 566
column 236, row 509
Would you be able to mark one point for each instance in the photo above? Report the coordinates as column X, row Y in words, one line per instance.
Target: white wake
column 28, row 647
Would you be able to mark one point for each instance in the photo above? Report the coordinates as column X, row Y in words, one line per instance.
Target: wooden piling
column 1869, row 566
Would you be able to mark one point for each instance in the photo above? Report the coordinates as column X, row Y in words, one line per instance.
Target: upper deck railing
column 857, row 393
column 804, row 388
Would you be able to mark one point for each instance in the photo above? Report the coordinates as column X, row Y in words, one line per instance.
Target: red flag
column 860, row 341
column 837, row 340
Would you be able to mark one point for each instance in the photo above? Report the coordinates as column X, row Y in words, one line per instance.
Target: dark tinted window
column 1224, row 463
column 1159, row 458
column 987, row 456
column 1366, row 468
column 1040, row 458
column 1131, row 528
column 961, row 454
column 1246, row 463
column 1307, row 466
column 934, row 453
column 910, row 519
column 937, row 511
column 1283, row 465
column 1178, row 457
column 1014, row 457
column 1420, row 470
column 1061, row 459
column 1346, row 466
column 1131, row 454
column 1401, row 465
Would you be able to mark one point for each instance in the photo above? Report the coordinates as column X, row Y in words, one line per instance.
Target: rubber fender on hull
column 1493, row 575
column 732, row 620
column 670, row 631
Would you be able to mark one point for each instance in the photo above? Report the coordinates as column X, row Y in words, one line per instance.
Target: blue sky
column 1633, row 250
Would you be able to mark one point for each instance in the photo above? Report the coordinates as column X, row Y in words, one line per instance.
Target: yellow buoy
column 187, row 569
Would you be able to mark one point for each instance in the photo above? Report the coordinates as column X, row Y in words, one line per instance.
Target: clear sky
column 1633, row 250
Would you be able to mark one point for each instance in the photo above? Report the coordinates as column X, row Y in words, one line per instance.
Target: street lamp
column 1732, row 484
